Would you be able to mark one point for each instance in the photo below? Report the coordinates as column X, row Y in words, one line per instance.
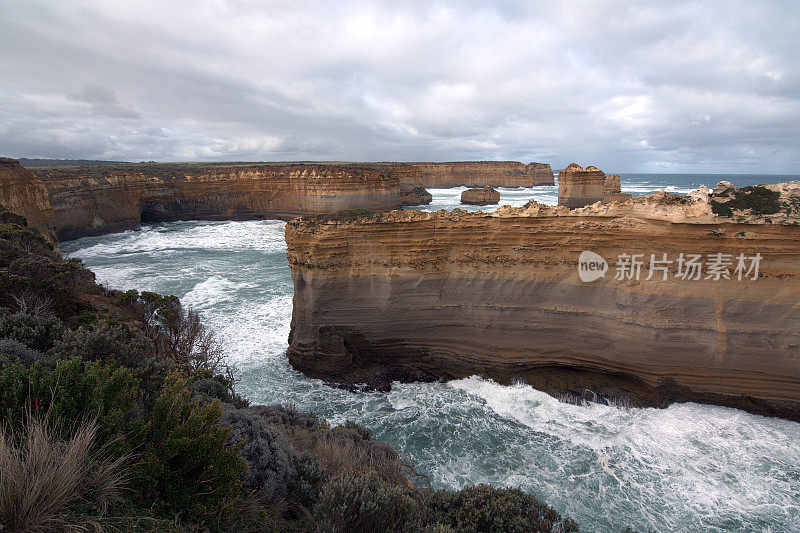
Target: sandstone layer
column 471, row 173
column 94, row 199
column 578, row 186
column 421, row 296
column 23, row 193
column 483, row 196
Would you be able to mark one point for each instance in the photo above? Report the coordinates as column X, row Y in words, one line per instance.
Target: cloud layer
column 629, row 86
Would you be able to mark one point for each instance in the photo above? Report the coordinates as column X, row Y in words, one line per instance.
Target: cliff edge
column 687, row 305
column 104, row 198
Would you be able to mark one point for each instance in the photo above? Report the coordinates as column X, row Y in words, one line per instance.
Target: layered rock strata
column 483, row 196
column 96, row 199
column 471, row 173
column 579, row 187
column 422, row 296
column 22, row 192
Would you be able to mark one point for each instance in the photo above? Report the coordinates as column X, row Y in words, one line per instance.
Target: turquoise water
column 689, row 467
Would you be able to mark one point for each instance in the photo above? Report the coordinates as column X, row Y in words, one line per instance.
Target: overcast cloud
column 628, row 86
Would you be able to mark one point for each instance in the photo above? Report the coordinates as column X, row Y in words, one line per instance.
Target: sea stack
column 483, row 196
column 579, row 187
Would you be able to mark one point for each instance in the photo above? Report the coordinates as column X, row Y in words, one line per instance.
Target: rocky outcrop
column 414, row 194
column 471, row 173
column 578, row 186
column 612, row 189
column 483, row 196
column 23, row 193
column 94, row 199
column 421, row 296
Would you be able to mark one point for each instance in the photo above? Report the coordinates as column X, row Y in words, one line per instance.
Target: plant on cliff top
column 50, row 483
column 186, row 464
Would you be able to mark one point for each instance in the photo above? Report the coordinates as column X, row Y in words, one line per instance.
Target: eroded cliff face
column 97, row 199
column 471, row 173
column 578, row 186
column 23, row 193
column 418, row 296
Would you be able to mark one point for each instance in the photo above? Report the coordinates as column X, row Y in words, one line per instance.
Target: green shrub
column 11, row 349
column 363, row 503
column 270, row 460
column 36, row 332
column 71, row 390
column 721, row 209
column 186, row 465
column 758, row 199
column 484, row 509
column 104, row 342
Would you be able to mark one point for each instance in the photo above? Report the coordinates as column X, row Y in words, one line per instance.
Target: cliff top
column 748, row 205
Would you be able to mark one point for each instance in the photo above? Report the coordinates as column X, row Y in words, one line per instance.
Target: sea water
column 688, row 467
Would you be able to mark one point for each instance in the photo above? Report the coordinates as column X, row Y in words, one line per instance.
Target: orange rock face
column 24, row 194
column 420, row 296
column 97, row 199
column 472, row 173
column 578, row 187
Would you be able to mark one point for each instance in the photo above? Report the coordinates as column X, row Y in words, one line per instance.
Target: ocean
column 689, row 467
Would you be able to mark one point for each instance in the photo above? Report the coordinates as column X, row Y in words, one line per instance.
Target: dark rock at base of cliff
column 483, row 196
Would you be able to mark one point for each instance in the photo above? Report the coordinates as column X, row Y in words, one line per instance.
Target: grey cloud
column 657, row 85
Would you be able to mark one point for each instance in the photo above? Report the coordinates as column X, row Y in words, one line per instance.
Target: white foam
column 685, row 468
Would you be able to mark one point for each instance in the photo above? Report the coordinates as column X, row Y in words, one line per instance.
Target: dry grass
column 346, row 455
column 49, row 484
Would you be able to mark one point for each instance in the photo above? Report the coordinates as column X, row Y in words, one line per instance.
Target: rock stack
column 482, row 196
column 579, row 187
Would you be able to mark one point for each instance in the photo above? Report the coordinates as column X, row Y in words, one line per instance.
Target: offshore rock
column 611, row 187
column 483, row 196
column 579, row 187
column 419, row 296
column 414, row 194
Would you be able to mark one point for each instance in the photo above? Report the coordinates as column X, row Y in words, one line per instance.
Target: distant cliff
column 419, row 296
column 472, row 173
column 94, row 199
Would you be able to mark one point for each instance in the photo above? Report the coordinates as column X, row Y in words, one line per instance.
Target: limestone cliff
column 96, row 199
column 23, row 193
column 578, row 186
column 471, row 173
column 418, row 296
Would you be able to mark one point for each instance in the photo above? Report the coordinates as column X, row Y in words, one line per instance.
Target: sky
column 645, row 86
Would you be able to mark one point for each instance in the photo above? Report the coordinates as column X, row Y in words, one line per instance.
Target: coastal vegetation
column 756, row 199
column 119, row 411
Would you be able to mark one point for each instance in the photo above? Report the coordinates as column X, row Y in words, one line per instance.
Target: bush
column 39, row 333
column 187, row 465
column 219, row 387
column 759, row 200
column 269, row 458
column 49, row 484
column 104, row 342
column 12, row 349
column 71, row 391
column 363, row 503
column 485, row 509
